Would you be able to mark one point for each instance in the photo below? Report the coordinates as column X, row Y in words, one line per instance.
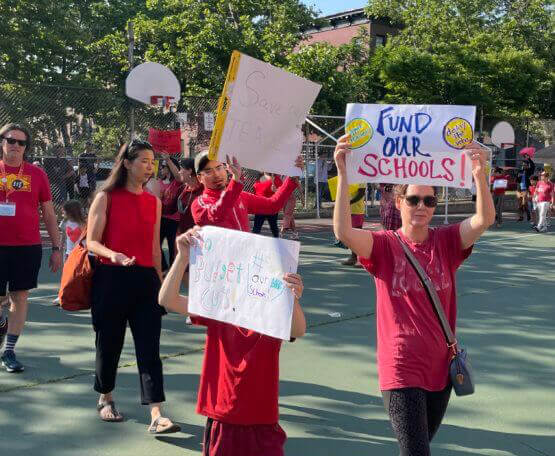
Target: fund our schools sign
column 410, row 144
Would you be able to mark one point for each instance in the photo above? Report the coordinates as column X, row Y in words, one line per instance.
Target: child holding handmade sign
column 238, row 391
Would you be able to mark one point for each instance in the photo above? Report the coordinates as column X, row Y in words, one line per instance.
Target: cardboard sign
column 260, row 115
column 165, row 141
column 237, row 278
column 410, row 144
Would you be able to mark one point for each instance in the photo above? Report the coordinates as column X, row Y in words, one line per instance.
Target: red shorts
column 224, row 439
column 357, row 220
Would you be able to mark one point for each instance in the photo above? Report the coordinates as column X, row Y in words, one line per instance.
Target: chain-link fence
column 77, row 131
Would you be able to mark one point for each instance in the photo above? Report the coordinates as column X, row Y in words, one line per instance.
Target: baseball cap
column 201, row 160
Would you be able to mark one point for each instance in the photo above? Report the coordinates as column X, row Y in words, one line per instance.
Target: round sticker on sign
column 457, row 133
column 361, row 132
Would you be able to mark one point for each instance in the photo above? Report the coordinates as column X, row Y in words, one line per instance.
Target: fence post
column 317, row 180
column 131, row 37
column 446, row 197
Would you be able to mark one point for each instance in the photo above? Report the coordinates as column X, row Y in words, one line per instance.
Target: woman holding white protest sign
column 413, row 356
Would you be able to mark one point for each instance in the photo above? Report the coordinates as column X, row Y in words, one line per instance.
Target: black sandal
column 118, row 417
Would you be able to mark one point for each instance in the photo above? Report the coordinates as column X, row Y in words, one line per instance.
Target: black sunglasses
column 12, row 141
column 413, row 200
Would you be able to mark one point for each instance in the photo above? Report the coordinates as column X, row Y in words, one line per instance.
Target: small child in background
column 72, row 227
column 83, row 187
column 533, row 206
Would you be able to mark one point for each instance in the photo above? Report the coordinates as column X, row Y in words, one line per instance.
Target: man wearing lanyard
column 24, row 188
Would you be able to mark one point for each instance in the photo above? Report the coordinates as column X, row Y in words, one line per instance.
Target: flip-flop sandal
column 118, row 417
column 157, row 428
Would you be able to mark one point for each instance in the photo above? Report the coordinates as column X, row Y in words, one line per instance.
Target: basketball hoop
column 154, row 84
column 166, row 102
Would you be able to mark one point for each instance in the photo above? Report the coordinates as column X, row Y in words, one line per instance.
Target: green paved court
column 330, row 403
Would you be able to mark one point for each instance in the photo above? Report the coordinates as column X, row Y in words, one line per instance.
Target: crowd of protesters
column 134, row 284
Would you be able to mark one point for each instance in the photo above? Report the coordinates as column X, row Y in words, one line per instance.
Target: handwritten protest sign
column 410, row 144
column 260, row 115
column 237, row 277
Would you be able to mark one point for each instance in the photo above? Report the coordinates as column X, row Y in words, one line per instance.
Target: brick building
column 341, row 28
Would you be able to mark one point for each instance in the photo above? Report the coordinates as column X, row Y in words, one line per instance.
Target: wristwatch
column 55, row 248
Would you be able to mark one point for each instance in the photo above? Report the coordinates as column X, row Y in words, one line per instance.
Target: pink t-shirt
column 412, row 350
column 544, row 192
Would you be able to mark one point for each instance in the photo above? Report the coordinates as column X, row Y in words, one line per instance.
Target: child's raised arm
column 298, row 322
column 169, row 296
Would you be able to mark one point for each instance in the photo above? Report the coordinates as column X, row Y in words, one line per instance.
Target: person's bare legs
column 18, row 311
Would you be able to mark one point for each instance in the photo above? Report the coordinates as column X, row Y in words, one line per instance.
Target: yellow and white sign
column 260, row 115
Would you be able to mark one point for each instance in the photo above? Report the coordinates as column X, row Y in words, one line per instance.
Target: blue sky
column 335, row 6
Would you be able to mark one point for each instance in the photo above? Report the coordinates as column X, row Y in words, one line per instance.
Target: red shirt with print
column 499, row 190
column 412, row 351
column 544, row 192
column 27, row 192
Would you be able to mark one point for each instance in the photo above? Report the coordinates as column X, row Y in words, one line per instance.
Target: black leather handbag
column 460, row 369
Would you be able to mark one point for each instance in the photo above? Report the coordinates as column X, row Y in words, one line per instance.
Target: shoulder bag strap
column 432, row 293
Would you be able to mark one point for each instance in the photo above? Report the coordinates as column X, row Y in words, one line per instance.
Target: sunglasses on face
column 414, row 200
column 12, row 141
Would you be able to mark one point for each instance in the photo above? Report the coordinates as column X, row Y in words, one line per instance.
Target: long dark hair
column 74, row 211
column 15, row 126
column 118, row 175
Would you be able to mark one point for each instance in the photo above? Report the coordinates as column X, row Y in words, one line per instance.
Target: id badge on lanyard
column 7, row 209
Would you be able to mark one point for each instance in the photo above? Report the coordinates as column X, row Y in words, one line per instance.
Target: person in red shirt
column 532, row 205
column 124, row 232
column 288, row 227
column 224, row 203
column 238, row 393
column 239, row 384
column 545, row 199
column 24, row 189
column 499, row 185
column 170, row 184
column 413, row 355
column 266, row 186
column 191, row 190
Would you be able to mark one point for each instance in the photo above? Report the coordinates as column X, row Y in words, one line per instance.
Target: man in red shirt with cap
column 239, row 384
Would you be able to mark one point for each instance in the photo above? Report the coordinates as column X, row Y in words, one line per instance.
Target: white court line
column 42, row 297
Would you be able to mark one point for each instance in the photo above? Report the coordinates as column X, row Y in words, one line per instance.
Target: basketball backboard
column 502, row 134
column 153, row 83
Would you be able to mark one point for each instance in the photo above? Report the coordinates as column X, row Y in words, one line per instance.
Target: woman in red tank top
column 124, row 232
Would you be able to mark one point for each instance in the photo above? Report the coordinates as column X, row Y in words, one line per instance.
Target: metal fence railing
column 77, row 132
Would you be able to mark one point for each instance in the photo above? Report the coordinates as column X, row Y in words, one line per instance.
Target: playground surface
column 329, row 398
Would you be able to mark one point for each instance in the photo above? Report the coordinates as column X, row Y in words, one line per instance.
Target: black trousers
column 123, row 295
column 272, row 220
column 415, row 415
column 168, row 230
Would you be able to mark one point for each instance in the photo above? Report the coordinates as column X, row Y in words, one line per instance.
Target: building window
column 380, row 40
